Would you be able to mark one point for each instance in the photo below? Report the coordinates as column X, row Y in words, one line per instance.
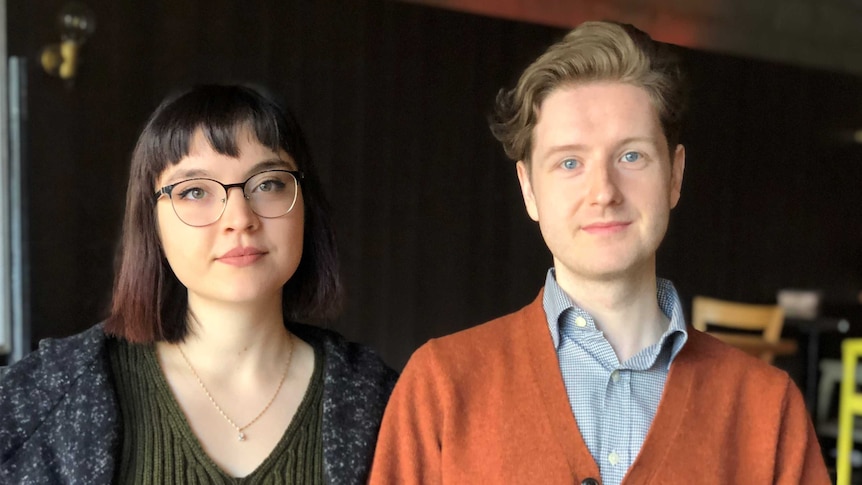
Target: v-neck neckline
column 177, row 419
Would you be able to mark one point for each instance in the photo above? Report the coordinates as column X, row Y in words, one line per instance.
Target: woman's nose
column 238, row 213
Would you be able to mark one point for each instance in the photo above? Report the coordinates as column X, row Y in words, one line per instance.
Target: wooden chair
column 755, row 329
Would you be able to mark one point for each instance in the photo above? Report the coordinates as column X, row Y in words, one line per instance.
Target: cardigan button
column 590, row 481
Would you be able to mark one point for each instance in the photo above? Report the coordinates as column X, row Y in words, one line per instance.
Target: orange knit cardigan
column 488, row 406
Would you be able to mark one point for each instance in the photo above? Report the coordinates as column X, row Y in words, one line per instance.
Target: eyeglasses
column 200, row 201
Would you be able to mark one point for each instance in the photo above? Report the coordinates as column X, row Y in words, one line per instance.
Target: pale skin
column 601, row 184
column 238, row 344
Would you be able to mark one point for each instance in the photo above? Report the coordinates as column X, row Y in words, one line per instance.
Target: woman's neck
column 223, row 336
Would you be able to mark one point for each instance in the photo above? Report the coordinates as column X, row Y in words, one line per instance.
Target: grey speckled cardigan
column 59, row 421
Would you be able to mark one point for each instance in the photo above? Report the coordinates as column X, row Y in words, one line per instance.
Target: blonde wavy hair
column 594, row 51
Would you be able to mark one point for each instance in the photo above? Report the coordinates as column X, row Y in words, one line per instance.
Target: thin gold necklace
column 241, row 429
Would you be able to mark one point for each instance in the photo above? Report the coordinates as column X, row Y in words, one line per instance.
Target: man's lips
column 240, row 256
column 605, row 227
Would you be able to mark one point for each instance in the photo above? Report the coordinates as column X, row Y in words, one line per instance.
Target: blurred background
column 393, row 97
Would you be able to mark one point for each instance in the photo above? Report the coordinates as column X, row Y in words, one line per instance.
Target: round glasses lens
column 198, row 202
column 271, row 194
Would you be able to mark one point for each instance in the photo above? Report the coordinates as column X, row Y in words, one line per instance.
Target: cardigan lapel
column 356, row 387
column 666, row 428
column 532, row 327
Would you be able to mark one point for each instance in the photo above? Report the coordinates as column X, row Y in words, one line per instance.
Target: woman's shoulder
column 347, row 360
column 356, row 387
column 57, row 359
column 66, row 376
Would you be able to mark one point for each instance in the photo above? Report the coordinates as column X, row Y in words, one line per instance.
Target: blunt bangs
column 219, row 112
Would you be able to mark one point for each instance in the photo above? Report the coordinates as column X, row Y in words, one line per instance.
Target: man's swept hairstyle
column 594, row 51
column 149, row 303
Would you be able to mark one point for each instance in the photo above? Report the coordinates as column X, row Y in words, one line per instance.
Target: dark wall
column 393, row 98
column 771, row 193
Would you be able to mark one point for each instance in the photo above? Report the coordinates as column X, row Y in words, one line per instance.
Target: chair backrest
column 750, row 324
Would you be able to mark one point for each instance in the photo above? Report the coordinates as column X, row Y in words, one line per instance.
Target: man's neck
column 626, row 310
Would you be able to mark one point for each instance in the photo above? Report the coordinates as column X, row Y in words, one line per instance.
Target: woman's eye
column 569, row 164
column 193, row 193
column 270, row 185
column 631, row 157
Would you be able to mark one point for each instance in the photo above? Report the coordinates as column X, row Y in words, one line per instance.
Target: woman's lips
column 241, row 256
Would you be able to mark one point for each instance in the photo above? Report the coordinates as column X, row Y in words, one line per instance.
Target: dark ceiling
column 824, row 34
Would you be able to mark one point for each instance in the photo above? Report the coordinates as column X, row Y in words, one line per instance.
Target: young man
column 598, row 380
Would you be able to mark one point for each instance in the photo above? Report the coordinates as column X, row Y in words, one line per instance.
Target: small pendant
column 241, row 436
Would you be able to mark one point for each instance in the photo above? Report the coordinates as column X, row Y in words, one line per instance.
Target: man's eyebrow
column 570, row 147
column 640, row 139
column 562, row 148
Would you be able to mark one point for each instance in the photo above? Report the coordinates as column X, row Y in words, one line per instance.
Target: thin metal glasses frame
column 168, row 190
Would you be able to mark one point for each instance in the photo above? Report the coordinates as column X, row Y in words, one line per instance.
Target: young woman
column 201, row 373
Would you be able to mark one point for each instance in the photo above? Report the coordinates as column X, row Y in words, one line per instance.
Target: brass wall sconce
column 76, row 22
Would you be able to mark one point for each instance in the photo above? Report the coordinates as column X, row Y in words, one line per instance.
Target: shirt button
column 615, row 377
column 581, row 322
column 590, row 481
column 613, row 458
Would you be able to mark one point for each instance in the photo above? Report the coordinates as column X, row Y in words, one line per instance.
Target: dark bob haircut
column 149, row 303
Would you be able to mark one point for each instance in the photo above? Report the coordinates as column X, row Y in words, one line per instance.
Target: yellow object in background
column 850, row 406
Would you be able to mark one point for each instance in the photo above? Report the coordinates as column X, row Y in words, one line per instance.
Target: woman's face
column 241, row 257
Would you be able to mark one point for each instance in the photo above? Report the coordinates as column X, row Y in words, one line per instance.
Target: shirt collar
column 556, row 301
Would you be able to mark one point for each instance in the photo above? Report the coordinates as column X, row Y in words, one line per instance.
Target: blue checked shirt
column 614, row 403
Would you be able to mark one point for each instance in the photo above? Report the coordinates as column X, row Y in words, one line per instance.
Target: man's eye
column 569, row 164
column 631, row 157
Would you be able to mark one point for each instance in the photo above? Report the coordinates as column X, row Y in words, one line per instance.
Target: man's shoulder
column 722, row 365
column 499, row 328
column 497, row 338
column 711, row 348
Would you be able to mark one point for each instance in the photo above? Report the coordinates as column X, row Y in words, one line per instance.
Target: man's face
column 601, row 183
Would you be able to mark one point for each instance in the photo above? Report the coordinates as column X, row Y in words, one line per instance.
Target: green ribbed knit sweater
column 158, row 446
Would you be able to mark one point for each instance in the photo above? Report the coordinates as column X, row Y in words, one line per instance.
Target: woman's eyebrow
column 186, row 174
column 274, row 163
column 193, row 173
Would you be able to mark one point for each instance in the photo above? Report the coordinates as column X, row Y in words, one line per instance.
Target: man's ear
column 676, row 171
column 523, row 169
